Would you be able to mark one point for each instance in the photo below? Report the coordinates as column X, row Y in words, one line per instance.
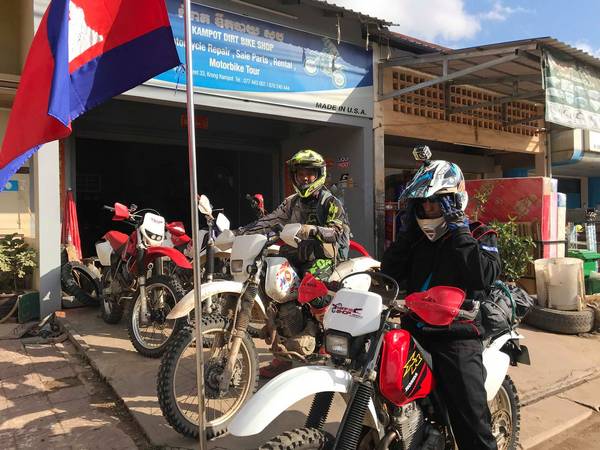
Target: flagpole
column 189, row 73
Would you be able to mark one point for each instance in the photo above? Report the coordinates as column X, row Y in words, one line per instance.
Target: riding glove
column 453, row 214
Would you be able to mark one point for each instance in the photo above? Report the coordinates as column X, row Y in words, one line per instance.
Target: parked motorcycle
column 214, row 262
column 386, row 378
column 127, row 263
column 263, row 279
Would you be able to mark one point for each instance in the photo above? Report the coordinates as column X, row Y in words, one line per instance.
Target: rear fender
column 496, row 363
column 186, row 304
column 172, row 253
column 288, row 388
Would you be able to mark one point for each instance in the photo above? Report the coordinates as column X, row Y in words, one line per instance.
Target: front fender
column 288, row 388
column 172, row 253
column 186, row 304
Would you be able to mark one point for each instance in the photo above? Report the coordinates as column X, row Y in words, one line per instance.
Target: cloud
column 440, row 21
column 431, row 20
column 501, row 12
column 586, row 47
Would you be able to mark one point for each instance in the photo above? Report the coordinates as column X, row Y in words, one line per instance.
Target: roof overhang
column 511, row 69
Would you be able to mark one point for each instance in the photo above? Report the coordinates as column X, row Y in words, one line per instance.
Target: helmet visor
column 428, row 208
column 306, row 175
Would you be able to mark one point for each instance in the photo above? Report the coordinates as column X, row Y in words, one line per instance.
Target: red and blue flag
column 83, row 53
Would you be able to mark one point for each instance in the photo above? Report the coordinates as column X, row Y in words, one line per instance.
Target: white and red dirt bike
column 264, row 284
column 127, row 262
column 386, row 379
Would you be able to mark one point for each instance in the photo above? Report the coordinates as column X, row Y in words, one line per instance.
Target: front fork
column 144, row 319
column 239, row 329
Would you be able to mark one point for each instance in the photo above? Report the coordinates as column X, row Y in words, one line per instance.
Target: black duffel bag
column 504, row 308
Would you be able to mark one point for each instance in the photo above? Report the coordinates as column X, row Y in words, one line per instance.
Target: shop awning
column 511, row 69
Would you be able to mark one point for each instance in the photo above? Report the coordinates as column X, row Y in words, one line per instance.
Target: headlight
column 336, row 344
column 154, row 236
column 237, row 265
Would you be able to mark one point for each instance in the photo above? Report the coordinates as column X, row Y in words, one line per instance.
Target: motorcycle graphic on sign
column 327, row 61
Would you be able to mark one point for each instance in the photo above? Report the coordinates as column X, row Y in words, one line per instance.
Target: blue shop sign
column 255, row 60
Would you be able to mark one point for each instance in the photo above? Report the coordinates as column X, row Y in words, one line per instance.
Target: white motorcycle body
column 281, row 280
column 353, row 314
column 245, row 249
column 104, row 251
column 243, row 254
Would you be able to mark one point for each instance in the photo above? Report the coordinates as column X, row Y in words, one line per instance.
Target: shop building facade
column 269, row 79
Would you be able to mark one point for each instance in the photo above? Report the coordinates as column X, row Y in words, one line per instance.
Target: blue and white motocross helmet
column 435, row 177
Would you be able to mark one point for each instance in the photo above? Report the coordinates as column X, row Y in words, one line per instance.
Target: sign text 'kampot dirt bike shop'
column 267, row 84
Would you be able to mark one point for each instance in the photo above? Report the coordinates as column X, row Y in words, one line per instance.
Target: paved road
column 585, row 436
column 51, row 398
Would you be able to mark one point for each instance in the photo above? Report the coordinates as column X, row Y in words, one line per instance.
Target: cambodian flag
column 84, row 53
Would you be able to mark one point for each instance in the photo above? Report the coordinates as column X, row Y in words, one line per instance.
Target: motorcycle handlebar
column 108, row 208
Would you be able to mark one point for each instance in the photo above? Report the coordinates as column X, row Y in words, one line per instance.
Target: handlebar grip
column 108, row 208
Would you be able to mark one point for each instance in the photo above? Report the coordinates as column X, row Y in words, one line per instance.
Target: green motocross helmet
column 307, row 159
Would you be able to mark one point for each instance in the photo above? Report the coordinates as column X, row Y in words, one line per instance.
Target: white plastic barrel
column 558, row 283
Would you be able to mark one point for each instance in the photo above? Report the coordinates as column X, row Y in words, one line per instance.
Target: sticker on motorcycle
column 286, row 281
column 338, row 308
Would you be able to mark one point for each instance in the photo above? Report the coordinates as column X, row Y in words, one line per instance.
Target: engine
column 290, row 319
column 296, row 332
column 414, row 431
column 409, row 420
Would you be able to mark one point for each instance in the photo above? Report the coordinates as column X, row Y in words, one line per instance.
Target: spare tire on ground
column 81, row 282
column 565, row 322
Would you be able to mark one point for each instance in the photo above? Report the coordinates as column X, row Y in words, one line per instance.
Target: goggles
column 431, row 199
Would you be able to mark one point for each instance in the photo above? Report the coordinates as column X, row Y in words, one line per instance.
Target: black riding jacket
column 463, row 258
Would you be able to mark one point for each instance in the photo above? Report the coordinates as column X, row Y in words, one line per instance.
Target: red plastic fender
column 116, row 239
column 175, row 255
column 359, row 248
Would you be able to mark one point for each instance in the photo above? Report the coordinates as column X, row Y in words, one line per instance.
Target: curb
column 560, row 387
column 75, row 338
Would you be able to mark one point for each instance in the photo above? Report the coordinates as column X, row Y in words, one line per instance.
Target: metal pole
column 189, row 72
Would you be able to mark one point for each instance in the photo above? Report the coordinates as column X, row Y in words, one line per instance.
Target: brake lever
column 399, row 305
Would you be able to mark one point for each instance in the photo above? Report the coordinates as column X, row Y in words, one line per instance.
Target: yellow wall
column 15, row 208
column 10, row 36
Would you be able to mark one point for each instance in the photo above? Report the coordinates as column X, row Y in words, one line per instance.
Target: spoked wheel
column 299, row 439
column 80, row 282
column 177, row 384
column 110, row 309
column 506, row 416
column 153, row 337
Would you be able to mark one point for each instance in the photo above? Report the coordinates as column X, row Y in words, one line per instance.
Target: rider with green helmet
column 325, row 229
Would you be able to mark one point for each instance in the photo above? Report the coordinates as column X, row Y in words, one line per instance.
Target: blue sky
column 464, row 23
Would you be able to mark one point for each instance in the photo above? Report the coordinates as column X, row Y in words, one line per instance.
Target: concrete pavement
column 50, row 399
column 554, row 415
column 559, row 362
